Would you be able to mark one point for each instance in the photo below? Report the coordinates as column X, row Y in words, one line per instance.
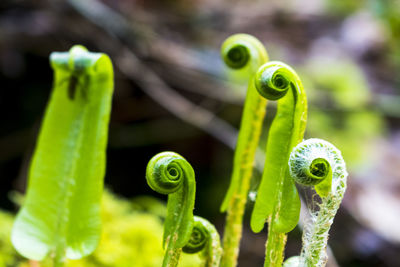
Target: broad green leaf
column 277, row 196
column 61, row 213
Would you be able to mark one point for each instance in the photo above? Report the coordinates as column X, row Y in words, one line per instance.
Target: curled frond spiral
column 273, row 80
column 317, row 162
column 169, row 173
column 236, row 56
column 277, row 81
column 277, row 199
column 240, row 51
column 205, row 238
column 244, row 54
column 198, row 239
column 308, row 170
column 164, row 173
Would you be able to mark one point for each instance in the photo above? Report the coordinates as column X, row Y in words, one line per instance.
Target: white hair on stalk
column 311, row 162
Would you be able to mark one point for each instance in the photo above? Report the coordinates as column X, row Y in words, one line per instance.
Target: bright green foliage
column 245, row 54
column 8, row 256
column 343, row 7
column 61, row 212
column 277, row 192
column 318, row 173
column 129, row 235
column 302, row 169
column 205, row 238
column 389, row 13
column 277, row 197
column 169, row 173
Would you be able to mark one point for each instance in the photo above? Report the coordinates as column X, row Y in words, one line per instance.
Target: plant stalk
column 172, row 254
column 253, row 115
column 233, row 229
column 316, row 235
column 59, row 259
column 275, row 246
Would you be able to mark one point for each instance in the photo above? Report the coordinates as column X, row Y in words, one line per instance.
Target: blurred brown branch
column 159, row 91
column 149, row 81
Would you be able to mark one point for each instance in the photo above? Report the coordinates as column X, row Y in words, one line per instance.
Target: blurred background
column 173, row 92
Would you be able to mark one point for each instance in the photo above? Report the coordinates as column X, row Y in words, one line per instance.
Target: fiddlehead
column 205, row 238
column 273, row 80
column 245, row 54
column 277, row 198
column 235, row 55
column 276, row 80
column 318, row 158
column 169, row 173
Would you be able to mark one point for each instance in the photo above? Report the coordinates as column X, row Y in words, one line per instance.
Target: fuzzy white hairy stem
column 315, row 236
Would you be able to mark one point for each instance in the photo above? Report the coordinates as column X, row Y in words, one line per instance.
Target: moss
column 130, row 237
column 8, row 256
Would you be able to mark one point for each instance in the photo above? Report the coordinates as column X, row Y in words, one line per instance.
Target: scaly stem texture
column 277, row 198
column 169, row 173
column 317, row 162
column 172, row 253
column 246, row 53
column 274, row 246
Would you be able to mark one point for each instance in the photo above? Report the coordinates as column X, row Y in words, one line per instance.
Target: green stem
column 169, row 173
column 314, row 245
column 275, row 246
column 277, row 193
column 318, row 163
column 237, row 204
column 58, row 262
column 172, row 254
column 59, row 258
column 233, row 231
column 277, row 198
column 245, row 53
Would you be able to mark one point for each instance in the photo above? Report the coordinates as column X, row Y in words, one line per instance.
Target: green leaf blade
column 277, row 193
column 61, row 210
